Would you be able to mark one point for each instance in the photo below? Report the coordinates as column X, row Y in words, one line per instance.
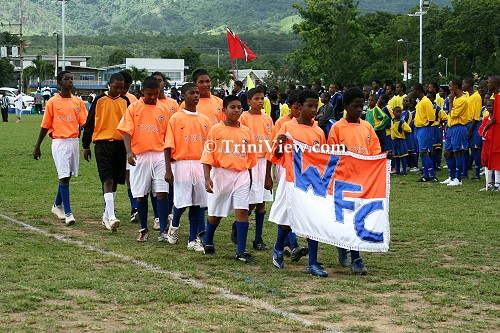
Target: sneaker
column 358, row 267
column 495, row 188
column 298, row 253
column 59, row 212
column 475, row 179
column 287, row 251
column 423, row 180
column 143, row 235
column 259, row 245
column 105, row 222
column 343, row 259
column 316, row 270
column 434, row 180
column 114, row 224
column 455, row 182
column 163, row 236
column 69, row 219
column 234, row 234
column 172, row 236
column 278, row 260
column 169, row 220
column 208, row 248
column 414, row 169
column 489, row 187
column 134, row 215
column 195, row 245
column 447, row 181
column 156, row 224
column 246, row 257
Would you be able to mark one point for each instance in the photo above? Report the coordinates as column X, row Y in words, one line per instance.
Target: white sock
column 110, row 205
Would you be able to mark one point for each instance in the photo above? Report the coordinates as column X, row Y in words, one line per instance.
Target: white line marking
column 192, row 282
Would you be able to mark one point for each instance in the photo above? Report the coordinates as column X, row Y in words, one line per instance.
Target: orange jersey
column 210, row 107
column 170, row 103
column 63, row 115
column 186, row 135
column 131, row 97
column 279, row 123
column 147, row 125
column 261, row 126
column 359, row 138
column 232, row 148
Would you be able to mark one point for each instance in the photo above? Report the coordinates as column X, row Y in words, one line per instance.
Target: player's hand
column 169, row 175
column 209, row 185
column 268, row 183
column 281, row 139
column 87, row 155
column 131, row 158
column 390, row 154
column 37, row 153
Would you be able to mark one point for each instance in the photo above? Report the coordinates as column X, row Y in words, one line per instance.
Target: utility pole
column 21, row 65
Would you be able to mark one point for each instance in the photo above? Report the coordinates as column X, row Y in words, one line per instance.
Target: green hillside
column 91, row 17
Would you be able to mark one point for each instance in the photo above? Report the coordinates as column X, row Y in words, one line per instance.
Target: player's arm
column 127, row 140
column 268, row 182
column 281, row 141
column 36, row 151
column 88, row 131
column 169, row 175
column 209, row 185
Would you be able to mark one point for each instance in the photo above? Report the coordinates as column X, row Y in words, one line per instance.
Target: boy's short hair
column 418, row 87
column 199, row 72
column 60, row 75
column 469, row 80
column 126, row 75
column 397, row 107
column 384, row 97
column 435, row 85
column 273, row 96
column 351, row 94
column 339, row 85
column 327, row 95
column 116, row 77
column 377, row 81
column 150, row 83
column 457, row 82
column 188, row 86
column 393, row 88
column 238, row 83
column 372, row 95
column 254, row 91
column 293, row 97
column 228, row 99
column 402, row 86
column 305, row 94
column 160, row 74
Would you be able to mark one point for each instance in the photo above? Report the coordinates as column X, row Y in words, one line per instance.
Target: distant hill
column 91, row 17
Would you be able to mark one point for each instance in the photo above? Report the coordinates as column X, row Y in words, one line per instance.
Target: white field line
column 187, row 280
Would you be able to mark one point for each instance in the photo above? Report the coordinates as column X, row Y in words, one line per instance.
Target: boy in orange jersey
column 105, row 114
column 359, row 137
column 63, row 114
column 209, row 105
column 144, row 127
column 303, row 129
column 226, row 165
column 261, row 126
column 186, row 135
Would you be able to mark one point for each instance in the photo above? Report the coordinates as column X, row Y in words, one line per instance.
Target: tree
column 168, row 54
column 39, row 69
column 6, row 72
column 137, row 75
column 220, row 76
column 118, row 57
column 192, row 59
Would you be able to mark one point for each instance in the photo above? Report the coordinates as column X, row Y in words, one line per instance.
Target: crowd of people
column 193, row 155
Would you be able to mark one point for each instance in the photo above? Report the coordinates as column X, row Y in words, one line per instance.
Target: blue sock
column 162, row 205
column 170, row 198
column 434, row 161
column 292, row 240
column 426, row 164
column 460, row 166
column 432, row 170
column 58, row 201
column 242, row 229
column 259, row 225
column 398, row 166
column 201, row 220
column 64, row 191
column 465, row 164
column 280, row 240
column 476, row 153
column 313, row 251
column 439, row 157
column 142, row 209
column 177, row 216
column 403, row 161
column 133, row 201
column 154, row 201
column 414, row 158
column 209, row 236
column 452, row 166
column 354, row 255
column 194, row 217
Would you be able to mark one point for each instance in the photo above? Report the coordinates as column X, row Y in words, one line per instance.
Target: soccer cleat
column 414, row 169
column 298, row 252
column 245, row 257
column 143, row 235
column 195, row 245
column 259, row 245
column 278, row 260
column 316, row 270
column 455, row 182
column 172, row 236
column 105, row 222
column 496, row 188
column 447, row 181
column 114, row 224
column 489, row 187
column 234, row 233
column 208, row 248
column 59, row 212
column 475, row 179
column 287, row 251
column 134, row 215
column 434, row 180
column 423, row 180
column 163, row 236
column 69, row 219
column 343, row 259
column 358, row 267
column 156, row 224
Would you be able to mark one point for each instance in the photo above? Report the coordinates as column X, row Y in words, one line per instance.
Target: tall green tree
column 39, row 69
column 192, row 59
column 6, row 72
column 168, row 54
column 219, row 76
column 137, row 75
column 118, row 57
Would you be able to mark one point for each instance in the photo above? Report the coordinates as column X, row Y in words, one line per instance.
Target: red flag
column 238, row 49
column 494, row 158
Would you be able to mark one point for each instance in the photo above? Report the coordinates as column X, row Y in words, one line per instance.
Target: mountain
column 104, row 17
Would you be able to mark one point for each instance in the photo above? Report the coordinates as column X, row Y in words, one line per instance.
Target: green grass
column 440, row 275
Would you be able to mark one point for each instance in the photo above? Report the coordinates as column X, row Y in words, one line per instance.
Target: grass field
column 440, row 275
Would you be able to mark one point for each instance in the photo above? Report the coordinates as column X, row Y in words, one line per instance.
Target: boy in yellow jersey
column 399, row 129
column 456, row 136
column 437, row 126
column 105, row 114
column 284, row 110
column 474, row 120
column 378, row 119
column 434, row 87
column 408, row 116
column 63, row 113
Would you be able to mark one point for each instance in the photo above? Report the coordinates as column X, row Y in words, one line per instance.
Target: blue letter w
column 311, row 176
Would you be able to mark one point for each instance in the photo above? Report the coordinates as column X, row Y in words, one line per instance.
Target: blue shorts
column 425, row 138
column 410, row 141
column 456, row 138
column 400, row 148
column 438, row 136
column 475, row 142
column 388, row 143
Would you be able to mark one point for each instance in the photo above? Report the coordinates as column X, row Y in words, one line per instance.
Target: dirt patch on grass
column 82, row 293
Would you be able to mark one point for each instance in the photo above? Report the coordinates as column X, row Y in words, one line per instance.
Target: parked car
column 11, row 93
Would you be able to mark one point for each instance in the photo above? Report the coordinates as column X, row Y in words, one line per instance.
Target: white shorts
column 66, row 154
column 258, row 194
column 279, row 170
column 279, row 209
column 189, row 184
column 231, row 189
column 148, row 174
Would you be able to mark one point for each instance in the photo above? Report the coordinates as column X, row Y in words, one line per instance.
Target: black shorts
column 111, row 157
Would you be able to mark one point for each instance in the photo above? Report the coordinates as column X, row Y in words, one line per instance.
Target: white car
column 11, row 93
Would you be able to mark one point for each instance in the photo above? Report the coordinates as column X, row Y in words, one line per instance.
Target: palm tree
column 137, row 75
column 40, row 69
column 220, row 75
